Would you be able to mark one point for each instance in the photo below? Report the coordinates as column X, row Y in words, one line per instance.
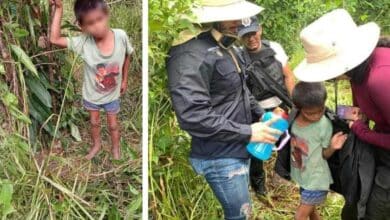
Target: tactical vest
column 264, row 62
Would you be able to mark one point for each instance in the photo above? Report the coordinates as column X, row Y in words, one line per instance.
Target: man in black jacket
column 213, row 104
column 270, row 80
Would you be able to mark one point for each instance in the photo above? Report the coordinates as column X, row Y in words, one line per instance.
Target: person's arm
column 379, row 92
column 189, row 85
column 364, row 133
column 289, row 79
column 125, row 73
column 336, row 143
column 55, row 34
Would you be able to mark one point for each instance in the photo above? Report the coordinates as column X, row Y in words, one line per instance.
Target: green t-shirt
column 308, row 167
column 102, row 74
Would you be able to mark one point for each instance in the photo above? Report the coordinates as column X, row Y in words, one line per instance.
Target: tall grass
column 43, row 135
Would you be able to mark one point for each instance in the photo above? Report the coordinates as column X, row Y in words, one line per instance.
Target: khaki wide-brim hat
column 334, row 44
column 224, row 10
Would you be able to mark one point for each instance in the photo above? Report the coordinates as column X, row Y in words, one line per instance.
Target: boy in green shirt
column 106, row 54
column 311, row 145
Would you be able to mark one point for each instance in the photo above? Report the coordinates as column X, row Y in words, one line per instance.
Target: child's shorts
column 312, row 197
column 111, row 107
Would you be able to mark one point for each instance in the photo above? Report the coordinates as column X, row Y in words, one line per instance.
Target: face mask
column 224, row 40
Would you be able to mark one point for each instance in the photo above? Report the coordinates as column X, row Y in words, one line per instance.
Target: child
column 106, row 54
column 311, row 145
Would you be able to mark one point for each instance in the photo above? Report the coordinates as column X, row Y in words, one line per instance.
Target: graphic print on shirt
column 106, row 77
column 299, row 152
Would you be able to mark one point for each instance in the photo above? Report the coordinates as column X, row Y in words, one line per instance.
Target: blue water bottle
column 263, row 151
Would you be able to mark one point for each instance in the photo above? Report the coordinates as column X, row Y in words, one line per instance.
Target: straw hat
column 334, row 44
column 224, row 10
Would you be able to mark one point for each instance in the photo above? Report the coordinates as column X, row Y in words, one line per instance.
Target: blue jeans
column 111, row 107
column 229, row 180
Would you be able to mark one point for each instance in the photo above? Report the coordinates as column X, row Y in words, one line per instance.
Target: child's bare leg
column 304, row 212
column 115, row 135
column 315, row 215
column 95, row 134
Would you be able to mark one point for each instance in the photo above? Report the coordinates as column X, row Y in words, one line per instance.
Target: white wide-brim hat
column 334, row 44
column 224, row 10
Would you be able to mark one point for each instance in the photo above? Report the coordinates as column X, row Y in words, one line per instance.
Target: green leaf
column 2, row 70
column 75, row 132
column 6, row 198
column 38, row 89
column 135, row 205
column 31, row 24
column 24, row 58
column 20, row 32
column 133, row 190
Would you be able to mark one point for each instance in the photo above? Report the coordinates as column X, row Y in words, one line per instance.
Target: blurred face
column 229, row 27
column 312, row 114
column 95, row 22
column 252, row 40
column 101, row 70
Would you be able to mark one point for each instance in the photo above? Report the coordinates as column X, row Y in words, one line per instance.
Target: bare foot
column 116, row 154
column 92, row 152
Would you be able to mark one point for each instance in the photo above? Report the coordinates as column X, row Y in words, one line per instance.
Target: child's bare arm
column 125, row 72
column 55, row 34
column 336, row 143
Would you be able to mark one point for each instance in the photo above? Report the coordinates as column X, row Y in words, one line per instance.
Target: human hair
column 81, row 7
column 306, row 95
column 384, row 41
column 100, row 65
column 359, row 73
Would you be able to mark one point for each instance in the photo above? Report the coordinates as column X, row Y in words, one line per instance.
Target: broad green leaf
column 40, row 113
column 20, row 32
column 2, row 70
column 6, row 199
column 38, row 89
column 75, row 132
column 24, row 58
column 9, row 99
column 11, row 102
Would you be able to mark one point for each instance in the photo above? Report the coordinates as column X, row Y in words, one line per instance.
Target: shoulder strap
column 292, row 115
column 266, row 43
column 278, row 89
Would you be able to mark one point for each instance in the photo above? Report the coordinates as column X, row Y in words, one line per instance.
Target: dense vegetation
column 43, row 133
column 175, row 191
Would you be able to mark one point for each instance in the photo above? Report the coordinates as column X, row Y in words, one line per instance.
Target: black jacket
column 210, row 98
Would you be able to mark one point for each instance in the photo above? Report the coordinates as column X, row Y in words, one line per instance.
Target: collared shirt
column 210, row 98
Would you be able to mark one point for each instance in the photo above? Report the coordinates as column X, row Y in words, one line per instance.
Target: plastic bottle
column 263, row 151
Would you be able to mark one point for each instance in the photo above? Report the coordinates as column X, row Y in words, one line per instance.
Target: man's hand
column 338, row 140
column 262, row 132
column 57, row 3
column 123, row 88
